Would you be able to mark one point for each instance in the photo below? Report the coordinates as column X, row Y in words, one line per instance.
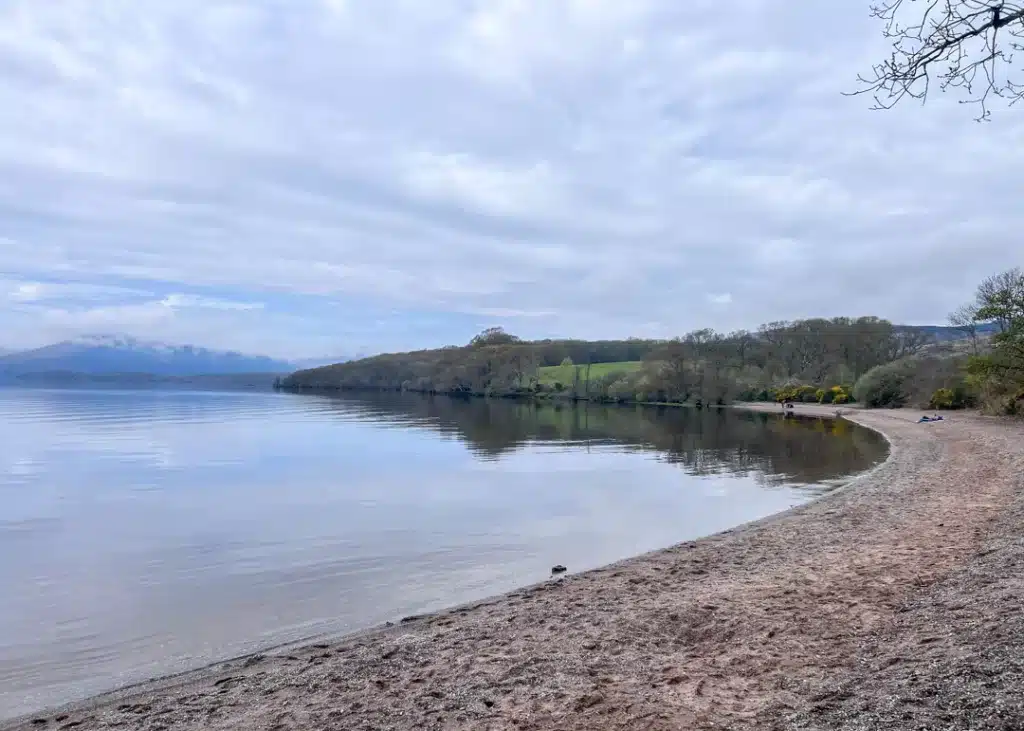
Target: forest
column 834, row 360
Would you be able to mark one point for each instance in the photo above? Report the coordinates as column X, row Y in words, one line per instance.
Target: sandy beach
column 893, row 603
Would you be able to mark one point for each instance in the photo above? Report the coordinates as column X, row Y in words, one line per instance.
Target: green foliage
column 760, row 395
column 998, row 375
column 885, row 385
column 944, row 398
column 493, row 336
column 914, row 381
column 799, row 393
column 834, row 395
column 702, row 366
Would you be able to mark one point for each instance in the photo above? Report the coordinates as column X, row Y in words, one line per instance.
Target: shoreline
column 756, row 626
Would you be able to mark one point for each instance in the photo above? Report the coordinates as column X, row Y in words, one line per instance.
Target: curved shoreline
column 743, row 628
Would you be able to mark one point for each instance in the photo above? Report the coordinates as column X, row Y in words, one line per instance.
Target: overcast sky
column 320, row 177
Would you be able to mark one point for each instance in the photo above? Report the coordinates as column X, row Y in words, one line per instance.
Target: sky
column 325, row 177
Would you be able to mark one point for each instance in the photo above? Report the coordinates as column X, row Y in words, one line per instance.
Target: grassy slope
column 549, row 375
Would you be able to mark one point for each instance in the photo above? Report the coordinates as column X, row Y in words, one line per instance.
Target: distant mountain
column 304, row 363
column 216, row 382
column 111, row 354
column 945, row 333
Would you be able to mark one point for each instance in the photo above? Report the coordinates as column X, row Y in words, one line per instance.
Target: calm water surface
column 147, row 532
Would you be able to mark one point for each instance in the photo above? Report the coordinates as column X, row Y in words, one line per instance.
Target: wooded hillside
column 703, row 365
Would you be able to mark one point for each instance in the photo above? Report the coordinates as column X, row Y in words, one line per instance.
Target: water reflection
column 775, row 450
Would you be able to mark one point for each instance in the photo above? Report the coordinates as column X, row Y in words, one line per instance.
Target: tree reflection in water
column 773, row 449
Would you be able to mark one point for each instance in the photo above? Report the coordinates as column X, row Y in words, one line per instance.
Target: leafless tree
column 965, row 319
column 960, row 45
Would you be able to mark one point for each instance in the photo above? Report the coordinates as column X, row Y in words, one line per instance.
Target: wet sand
column 892, row 603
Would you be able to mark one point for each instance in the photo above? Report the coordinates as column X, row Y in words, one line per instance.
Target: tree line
column 700, row 367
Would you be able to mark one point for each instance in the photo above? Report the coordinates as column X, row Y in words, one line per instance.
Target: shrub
column 885, row 385
column 1008, row 405
column 838, row 391
column 797, row 392
column 834, row 395
column 944, row 398
column 914, row 381
column 806, row 394
column 757, row 394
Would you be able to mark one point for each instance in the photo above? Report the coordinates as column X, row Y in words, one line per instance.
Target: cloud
column 573, row 167
column 28, row 292
column 177, row 301
column 36, row 291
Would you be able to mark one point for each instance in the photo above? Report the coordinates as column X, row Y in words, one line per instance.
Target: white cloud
column 526, row 191
column 175, row 301
column 129, row 318
column 577, row 167
column 28, row 292
column 33, row 291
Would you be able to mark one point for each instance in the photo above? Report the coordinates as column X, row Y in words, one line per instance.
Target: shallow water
column 148, row 532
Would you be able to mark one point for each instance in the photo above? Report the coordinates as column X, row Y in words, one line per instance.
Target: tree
column 965, row 319
column 965, row 46
column 493, row 336
column 1000, row 299
column 1000, row 373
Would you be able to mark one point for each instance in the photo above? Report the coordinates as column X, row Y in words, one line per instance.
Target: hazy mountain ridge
column 115, row 354
column 947, row 333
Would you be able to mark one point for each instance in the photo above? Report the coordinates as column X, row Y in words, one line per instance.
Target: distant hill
column 945, row 333
column 108, row 355
column 217, row 382
column 304, row 363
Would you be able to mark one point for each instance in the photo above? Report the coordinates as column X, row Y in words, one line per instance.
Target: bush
column 915, row 381
column 798, row 393
column 1006, row 405
column 834, row 395
column 758, row 394
column 944, row 398
column 885, row 385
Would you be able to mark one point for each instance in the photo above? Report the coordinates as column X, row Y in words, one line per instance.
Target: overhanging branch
column 962, row 45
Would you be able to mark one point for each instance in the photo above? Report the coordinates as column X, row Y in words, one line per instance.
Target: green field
column 549, row 375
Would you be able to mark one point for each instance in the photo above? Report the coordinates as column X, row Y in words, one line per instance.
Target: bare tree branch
column 965, row 46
